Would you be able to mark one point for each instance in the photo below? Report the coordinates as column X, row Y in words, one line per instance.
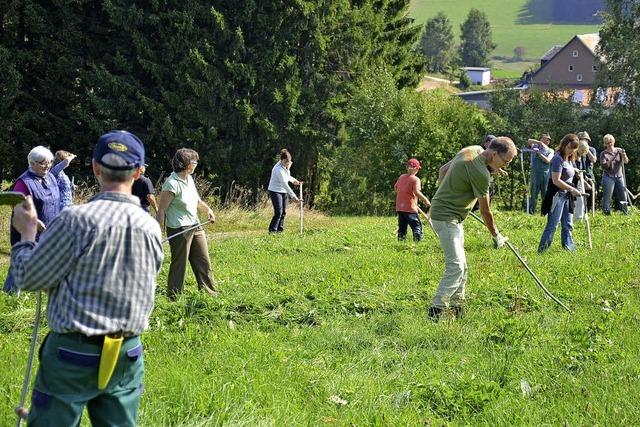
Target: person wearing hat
column 464, row 180
column 541, row 155
column 587, row 157
column 98, row 264
column 408, row 191
column 143, row 189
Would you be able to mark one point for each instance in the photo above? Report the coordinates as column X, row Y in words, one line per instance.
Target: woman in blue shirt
column 562, row 173
column 279, row 190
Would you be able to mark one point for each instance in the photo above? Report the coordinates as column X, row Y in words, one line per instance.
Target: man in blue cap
column 98, row 263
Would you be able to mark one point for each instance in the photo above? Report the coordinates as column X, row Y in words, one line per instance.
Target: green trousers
column 189, row 248
column 67, row 382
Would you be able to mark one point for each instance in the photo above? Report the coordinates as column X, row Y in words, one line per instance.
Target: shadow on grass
column 561, row 12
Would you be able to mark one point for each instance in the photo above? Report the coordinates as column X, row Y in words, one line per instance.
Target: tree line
column 332, row 81
column 437, row 43
column 236, row 81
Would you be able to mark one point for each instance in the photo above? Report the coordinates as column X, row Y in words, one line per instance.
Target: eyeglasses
column 45, row 163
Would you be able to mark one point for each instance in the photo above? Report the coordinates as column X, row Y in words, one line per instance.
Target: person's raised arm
column 55, row 171
column 591, row 155
column 533, row 142
column 546, row 159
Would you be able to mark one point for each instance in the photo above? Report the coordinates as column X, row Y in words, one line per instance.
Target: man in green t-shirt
column 464, row 180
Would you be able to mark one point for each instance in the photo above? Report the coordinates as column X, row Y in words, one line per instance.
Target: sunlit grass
column 329, row 328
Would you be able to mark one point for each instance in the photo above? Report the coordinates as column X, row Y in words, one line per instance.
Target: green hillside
column 509, row 22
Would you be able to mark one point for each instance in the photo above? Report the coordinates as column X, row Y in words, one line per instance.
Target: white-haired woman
column 39, row 182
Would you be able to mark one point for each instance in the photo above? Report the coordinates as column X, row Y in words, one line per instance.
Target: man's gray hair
column 115, row 175
column 39, row 154
column 503, row 145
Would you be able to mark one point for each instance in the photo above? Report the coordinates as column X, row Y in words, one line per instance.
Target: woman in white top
column 178, row 208
column 279, row 190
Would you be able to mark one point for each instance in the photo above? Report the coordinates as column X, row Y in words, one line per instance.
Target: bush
column 385, row 127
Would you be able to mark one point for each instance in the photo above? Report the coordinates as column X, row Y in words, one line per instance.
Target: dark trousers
column 279, row 202
column 412, row 220
column 190, row 247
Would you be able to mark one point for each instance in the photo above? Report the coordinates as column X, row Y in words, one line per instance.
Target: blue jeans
column 539, row 182
column 559, row 214
column 9, row 286
column 409, row 219
column 609, row 184
column 279, row 201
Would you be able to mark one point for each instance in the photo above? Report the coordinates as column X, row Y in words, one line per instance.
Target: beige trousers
column 451, row 289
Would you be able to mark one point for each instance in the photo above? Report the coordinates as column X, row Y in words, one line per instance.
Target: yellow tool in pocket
column 108, row 359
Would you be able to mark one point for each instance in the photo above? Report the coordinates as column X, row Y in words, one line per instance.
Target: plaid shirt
column 98, row 262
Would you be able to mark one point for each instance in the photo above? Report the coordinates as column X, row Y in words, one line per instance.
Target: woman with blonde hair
column 562, row 203
column 611, row 159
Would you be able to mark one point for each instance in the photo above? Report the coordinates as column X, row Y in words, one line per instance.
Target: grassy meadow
column 330, row 328
column 511, row 26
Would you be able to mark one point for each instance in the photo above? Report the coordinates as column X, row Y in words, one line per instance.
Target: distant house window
column 574, row 53
column 579, row 77
column 594, row 68
column 570, row 68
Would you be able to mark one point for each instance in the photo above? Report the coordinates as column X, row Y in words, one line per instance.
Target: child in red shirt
column 407, row 194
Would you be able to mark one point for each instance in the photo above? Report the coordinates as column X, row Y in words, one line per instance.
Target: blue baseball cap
column 123, row 144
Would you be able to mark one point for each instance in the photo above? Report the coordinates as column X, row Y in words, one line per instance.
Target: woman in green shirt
column 178, row 208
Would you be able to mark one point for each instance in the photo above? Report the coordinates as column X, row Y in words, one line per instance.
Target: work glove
column 499, row 241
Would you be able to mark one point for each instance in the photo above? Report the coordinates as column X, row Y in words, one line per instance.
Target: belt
column 95, row 339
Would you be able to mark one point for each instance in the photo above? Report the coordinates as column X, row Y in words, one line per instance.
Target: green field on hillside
column 330, row 328
column 505, row 17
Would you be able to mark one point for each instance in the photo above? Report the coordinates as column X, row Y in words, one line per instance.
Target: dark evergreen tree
column 236, row 81
column 437, row 43
column 477, row 45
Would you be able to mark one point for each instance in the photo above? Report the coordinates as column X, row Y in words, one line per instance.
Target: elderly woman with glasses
column 38, row 181
column 178, row 206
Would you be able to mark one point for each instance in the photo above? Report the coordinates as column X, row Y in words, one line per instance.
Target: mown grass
column 330, row 328
column 507, row 31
